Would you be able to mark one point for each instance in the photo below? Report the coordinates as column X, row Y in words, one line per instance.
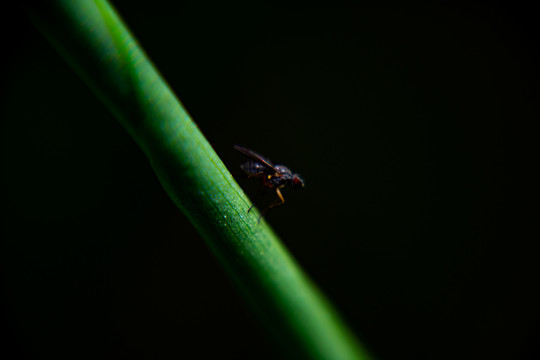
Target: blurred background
column 416, row 131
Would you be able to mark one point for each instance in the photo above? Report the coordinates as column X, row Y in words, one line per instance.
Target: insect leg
column 248, row 176
column 258, row 197
column 259, row 174
column 278, row 202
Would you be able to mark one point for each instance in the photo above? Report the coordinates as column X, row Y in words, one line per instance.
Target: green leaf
column 95, row 42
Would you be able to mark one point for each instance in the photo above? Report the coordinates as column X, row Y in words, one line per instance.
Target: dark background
column 415, row 128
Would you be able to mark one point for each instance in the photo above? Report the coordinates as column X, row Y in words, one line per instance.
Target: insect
column 274, row 177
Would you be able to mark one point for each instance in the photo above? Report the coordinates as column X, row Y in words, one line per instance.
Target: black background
column 415, row 128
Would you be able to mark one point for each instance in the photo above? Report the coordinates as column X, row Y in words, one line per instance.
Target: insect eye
column 297, row 182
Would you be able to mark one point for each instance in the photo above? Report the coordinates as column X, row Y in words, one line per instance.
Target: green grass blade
column 95, row 42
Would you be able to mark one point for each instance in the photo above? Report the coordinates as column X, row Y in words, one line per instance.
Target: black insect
column 273, row 176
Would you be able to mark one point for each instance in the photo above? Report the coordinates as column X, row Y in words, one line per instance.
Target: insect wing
column 255, row 157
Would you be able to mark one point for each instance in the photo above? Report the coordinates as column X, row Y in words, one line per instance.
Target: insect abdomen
column 252, row 167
